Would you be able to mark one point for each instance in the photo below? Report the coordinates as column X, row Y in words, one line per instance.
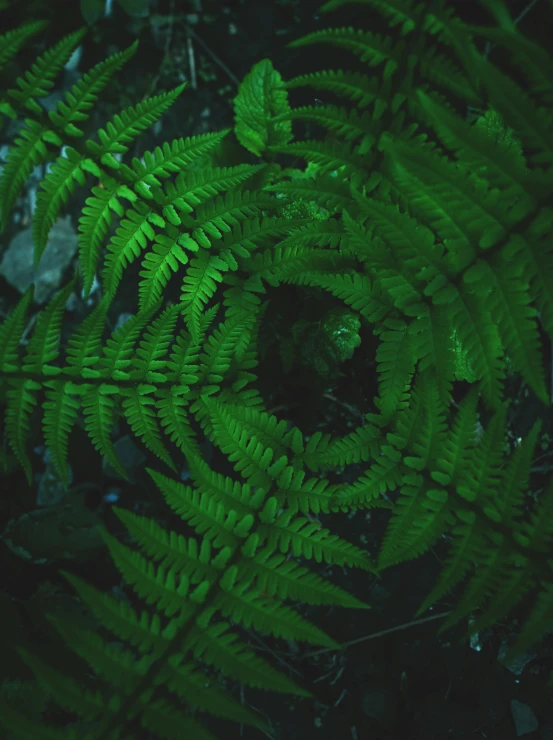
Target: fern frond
column 172, row 158
column 532, row 125
column 28, row 151
column 248, row 236
column 218, row 215
column 199, row 285
column 38, row 81
column 261, row 98
column 308, row 539
column 477, row 150
column 164, row 258
column 11, row 331
column 433, row 346
column 329, row 156
column 127, row 125
column 531, row 59
column 84, row 93
column 329, row 191
column 191, row 189
column 55, row 189
column 22, row 727
column 395, row 364
column 251, row 608
column 350, row 125
column 12, row 41
column 508, row 303
column 21, row 398
column 285, row 265
column 61, row 408
column 435, row 231
column 355, row 86
column 130, row 239
column 369, row 47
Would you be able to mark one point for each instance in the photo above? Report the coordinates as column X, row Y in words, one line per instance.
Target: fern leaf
column 538, row 624
column 330, row 156
column 12, row 41
column 395, row 364
column 144, row 630
column 480, row 341
column 538, row 534
column 456, row 450
column 84, row 93
column 330, row 192
column 28, row 151
column 349, row 125
column 44, row 346
column 384, row 474
column 324, row 233
column 38, row 81
column 11, row 331
column 190, row 189
column 121, row 669
column 530, row 58
column 149, row 364
column 355, row 447
column 519, row 579
column 250, row 608
column 99, row 417
column 261, row 98
column 84, row 346
column 308, row 539
column 198, row 286
column 21, row 727
column 21, row 400
column 218, row 645
column 164, row 258
column 139, row 407
column 508, row 302
column 420, row 516
column 531, row 125
column 503, row 163
column 60, row 408
column 94, row 223
column 481, row 477
column 55, row 189
column 218, row 215
column 131, row 237
column 369, row 47
column 171, row 158
column 434, row 348
column 355, row 86
column 125, row 127
column 74, row 698
column 287, row 580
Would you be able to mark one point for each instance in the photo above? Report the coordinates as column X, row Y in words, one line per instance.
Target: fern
column 430, row 231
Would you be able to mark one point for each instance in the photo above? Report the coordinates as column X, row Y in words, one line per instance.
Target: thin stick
column 399, row 627
column 214, row 56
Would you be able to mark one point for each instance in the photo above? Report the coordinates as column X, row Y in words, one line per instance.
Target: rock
column 17, row 263
column 523, row 717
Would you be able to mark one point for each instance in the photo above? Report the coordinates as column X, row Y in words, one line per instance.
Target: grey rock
column 131, row 457
column 523, row 717
column 519, row 664
column 17, row 263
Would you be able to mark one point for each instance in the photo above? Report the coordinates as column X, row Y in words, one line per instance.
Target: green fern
column 440, row 244
column 261, row 98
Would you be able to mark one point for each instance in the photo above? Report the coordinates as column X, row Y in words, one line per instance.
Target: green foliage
column 439, row 241
column 261, row 97
column 325, row 346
